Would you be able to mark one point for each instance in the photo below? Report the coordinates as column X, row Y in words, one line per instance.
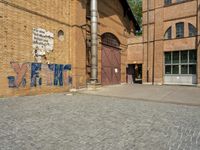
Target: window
column 175, row 69
column 180, row 30
column 168, row 69
column 193, row 56
column 175, row 56
column 168, row 33
column 168, row 58
column 184, row 69
column 192, row 69
column 167, row 2
column 180, row 62
column 192, row 30
column 184, row 57
column 61, row 35
column 179, row 1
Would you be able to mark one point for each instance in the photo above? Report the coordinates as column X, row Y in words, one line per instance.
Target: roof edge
column 128, row 10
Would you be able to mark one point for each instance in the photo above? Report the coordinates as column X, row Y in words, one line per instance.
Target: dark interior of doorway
column 134, row 74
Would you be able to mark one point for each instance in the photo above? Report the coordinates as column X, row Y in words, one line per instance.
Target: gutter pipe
column 94, row 40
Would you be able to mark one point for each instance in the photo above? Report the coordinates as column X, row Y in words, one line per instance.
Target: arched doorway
column 111, row 60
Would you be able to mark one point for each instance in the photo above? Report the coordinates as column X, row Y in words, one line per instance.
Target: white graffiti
column 43, row 42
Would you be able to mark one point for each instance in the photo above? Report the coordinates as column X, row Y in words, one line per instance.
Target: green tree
column 136, row 6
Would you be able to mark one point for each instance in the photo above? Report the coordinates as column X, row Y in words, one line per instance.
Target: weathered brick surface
column 135, row 51
column 160, row 19
column 19, row 17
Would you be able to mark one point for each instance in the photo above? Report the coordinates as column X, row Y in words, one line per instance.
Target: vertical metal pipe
column 148, row 40
column 197, row 42
column 154, row 40
column 94, row 40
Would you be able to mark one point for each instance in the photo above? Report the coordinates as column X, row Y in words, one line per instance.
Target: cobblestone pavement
column 86, row 122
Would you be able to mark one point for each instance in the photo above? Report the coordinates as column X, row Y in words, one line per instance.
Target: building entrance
column 134, row 73
column 111, row 60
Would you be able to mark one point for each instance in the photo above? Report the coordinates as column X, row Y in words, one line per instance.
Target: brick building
column 45, row 45
column 168, row 51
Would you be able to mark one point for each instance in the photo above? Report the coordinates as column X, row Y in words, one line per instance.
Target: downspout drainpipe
column 154, row 40
column 94, row 40
column 147, row 41
column 197, row 41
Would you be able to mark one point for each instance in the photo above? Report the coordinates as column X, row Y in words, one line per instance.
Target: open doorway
column 134, row 74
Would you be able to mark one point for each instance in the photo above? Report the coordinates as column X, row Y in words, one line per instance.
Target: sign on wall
column 43, row 41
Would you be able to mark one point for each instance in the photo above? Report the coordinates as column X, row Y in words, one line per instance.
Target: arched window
column 192, row 30
column 180, row 30
column 168, row 33
column 61, row 35
column 110, row 40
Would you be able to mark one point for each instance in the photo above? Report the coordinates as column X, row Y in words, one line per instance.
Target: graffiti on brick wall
column 20, row 71
column 40, row 74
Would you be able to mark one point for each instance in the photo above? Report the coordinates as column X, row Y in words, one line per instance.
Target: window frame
column 180, row 64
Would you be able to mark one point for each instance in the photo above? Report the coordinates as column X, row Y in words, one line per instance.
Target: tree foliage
column 136, row 6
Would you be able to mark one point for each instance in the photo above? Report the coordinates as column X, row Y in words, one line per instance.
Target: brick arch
column 110, row 39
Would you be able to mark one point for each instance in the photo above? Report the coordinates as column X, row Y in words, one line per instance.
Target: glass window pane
column 168, row 69
column 175, row 69
column 184, row 56
column 168, row 58
column 180, row 30
column 167, row 2
column 168, row 33
column 175, row 57
column 192, row 30
column 184, row 69
column 192, row 69
column 179, row 0
column 193, row 56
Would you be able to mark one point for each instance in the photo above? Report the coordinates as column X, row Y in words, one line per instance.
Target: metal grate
column 110, row 40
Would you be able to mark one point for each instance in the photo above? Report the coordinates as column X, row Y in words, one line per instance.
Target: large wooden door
column 111, row 60
column 111, row 65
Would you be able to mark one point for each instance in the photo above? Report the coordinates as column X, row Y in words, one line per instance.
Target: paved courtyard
column 89, row 122
column 187, row 95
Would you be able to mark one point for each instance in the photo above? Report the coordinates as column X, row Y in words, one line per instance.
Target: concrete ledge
column 147, row 83
column 158, row 83
column 93, row 86
column 150, row 83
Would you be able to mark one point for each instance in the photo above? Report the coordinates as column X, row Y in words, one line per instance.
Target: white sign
column 116, row 70
column 43, row 41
